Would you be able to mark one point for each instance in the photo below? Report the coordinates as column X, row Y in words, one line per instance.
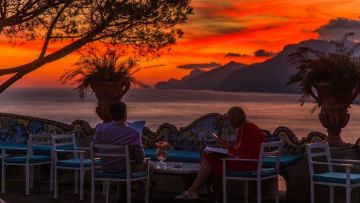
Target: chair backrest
column 99, row 151
column 38, row 140
column 271, row 150
column 59, row 141
column 318, row 150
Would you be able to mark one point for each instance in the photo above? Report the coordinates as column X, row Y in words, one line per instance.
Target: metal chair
column 67, row 144
column 2, row 158
column 348, row 180
column 28, row 161
column 270, row 151
column 100, row 151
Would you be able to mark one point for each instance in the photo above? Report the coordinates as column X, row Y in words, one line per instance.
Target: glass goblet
column 161, row 154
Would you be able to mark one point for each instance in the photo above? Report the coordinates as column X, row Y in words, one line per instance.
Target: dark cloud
column 232, row 54
column 263, row 53
column 337, row 28
column 200, row 65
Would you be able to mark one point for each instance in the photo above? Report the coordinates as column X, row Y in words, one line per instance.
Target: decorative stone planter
column 107, row 93
column 334, row 111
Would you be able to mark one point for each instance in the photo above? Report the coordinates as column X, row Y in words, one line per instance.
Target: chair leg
column 55, row 183
column 92, row 190
column 128, row 191
column 27, row 180
column 3, row 177
column 312, row 192
column 31, row 177
column 108, row 186
column 224, row 190
column 82, row 173
column 103, row 187
column 246, row 191
column 348, row 194
column 52, row 177
column 258, row 191
column 147, row 185
column 331, row 194
column 118, row 189
column 276, row 190
column 76, row 191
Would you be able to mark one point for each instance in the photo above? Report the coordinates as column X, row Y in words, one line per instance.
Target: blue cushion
column 121, row 175
column 194, row 157
column 251, row 174
column 48, row 148
column 13, row 146
column 176, row 155
column 38, row 148
column 22, row 159
column 285, row 160
column 76, row 163
column 334, row 177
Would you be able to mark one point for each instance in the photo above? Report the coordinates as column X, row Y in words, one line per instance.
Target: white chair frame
column 33, row 140
column 96, row 155
column 78, row 153
column 274, row 153
column 2, row 158
column 344, row 163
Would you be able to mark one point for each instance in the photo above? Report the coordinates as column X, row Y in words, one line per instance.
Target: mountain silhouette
column 202, row 80
column 269, row 76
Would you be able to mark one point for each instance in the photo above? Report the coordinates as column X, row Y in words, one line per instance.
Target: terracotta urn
column 334, row 111
column 107, row 93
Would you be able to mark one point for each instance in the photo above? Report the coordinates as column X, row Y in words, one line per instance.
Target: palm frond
column 97, row 67
column 340, row 69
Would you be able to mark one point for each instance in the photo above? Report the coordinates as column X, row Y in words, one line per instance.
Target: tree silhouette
column 19, row 12
column 145, row 25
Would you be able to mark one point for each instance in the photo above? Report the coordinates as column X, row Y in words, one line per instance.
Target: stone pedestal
column 107, row 93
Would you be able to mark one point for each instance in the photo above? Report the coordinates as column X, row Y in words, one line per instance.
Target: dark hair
column 117, row 110
column 236, row 114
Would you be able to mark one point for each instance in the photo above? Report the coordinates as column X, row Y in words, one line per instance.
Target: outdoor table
column 178, row 168
column 173, row 179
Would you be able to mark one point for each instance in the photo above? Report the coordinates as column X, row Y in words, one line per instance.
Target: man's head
column 118, row 111
column 236, row 117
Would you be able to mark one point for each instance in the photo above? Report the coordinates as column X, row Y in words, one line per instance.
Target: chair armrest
column 147, row 158
column 351, row 161
column 332, row 164
column 83, row 148
column 4, row 155
column 70, row 151
column 237, row 159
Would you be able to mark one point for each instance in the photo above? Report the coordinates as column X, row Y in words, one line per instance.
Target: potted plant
column 104, row 74
column 332, row 79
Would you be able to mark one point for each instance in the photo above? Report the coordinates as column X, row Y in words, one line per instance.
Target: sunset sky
column 220, row 31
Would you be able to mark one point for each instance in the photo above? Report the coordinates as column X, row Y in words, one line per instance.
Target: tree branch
column 50, row 29
column 10, row 81
column 25, row 14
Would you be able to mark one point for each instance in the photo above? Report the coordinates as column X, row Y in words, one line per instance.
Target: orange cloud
column 215, row 29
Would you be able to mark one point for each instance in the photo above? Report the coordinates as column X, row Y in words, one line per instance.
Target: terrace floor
column 41, row 194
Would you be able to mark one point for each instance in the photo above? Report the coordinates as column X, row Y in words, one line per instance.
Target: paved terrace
column 41, row 194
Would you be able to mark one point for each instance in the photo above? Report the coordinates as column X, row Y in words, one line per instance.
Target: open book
column 209, row 140
column 216, row 150
column 137, row 125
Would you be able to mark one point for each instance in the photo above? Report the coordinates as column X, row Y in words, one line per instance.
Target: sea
column 178, row 107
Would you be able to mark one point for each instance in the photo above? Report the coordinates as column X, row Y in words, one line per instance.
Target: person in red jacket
column 247, row 146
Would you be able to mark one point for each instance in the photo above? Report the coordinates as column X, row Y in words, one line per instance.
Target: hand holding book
column 221, row 141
